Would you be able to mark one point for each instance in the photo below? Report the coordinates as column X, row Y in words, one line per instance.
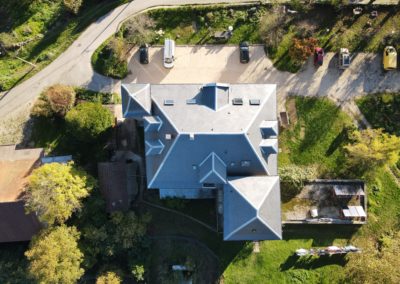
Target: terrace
column 328, row 201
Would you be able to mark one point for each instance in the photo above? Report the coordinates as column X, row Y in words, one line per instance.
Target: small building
column 120, row 179
column 15, row 167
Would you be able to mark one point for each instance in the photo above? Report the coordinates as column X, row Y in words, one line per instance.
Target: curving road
column 73, row 66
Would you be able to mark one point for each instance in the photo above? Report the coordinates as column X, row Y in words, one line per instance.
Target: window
column 191, row 101
column 237, row 101
column 254, row 102
column 209, row 185
column 168, row 102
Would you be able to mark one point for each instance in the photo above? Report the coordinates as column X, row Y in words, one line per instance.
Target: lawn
column 316, row 138
column 382, row 111
column 46, row 29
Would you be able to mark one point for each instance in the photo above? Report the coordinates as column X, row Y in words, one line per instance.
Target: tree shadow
column 312, row 262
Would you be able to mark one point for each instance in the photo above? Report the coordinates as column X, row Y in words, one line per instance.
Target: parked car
column 144, row 54
column 344, row 58
column 244, row 52
column 389, row 58
column 318, row 56
column 169, row 53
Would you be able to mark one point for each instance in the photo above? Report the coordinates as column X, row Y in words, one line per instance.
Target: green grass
column 49, row 27
column 197, row 25
column 317, row 137
column 382, row 111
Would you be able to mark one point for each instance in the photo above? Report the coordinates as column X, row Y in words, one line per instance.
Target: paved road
column 73, row 66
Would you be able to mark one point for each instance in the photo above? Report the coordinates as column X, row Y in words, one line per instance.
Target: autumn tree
column 72, row 5
column 56, row 190
column 373, row 148
column 56, row 100
column 378, row 262
column 301, row 49
column 109, row 278
column 88, row 121
column 54, row 256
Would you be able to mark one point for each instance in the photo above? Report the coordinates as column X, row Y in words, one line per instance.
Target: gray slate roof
column 256, row 206
column 204, row 134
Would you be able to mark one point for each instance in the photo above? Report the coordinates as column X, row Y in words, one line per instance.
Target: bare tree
column 139, row 29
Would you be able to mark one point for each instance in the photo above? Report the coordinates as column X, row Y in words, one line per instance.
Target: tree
column 128, row 228
column 293, row 178
column 73, row 5
column 138, row 272
column 112, row 59
column 139, row 29
column 56, row 100
column 108, row 278
column 301, row 49
column 54, row 256
column 88, row 121
column 378, row 262
column 373, row 148
column 56, row 190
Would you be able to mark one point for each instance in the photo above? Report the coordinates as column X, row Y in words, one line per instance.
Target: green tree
column 112, row 59
column 373, row 148
column 109, row 278
column 54, row 256
column 138, row 272
column 72, row 5
column 55, row 100
column 88, row 121
column 56, row 190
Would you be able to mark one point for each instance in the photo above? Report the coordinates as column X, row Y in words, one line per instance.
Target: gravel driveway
column 200, row 64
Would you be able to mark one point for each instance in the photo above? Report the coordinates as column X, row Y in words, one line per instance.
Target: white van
column 169, row 53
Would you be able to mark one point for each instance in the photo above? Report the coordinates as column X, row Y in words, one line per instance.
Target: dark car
column 318, row 56
column 144, row 54
column 244, row 52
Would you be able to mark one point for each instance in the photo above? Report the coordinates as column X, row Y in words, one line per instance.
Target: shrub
column 88, row 121
column 111, row 59
column 139, row 29
column 95, row 97
column 72, row 5
column 138, row 272
column 7, row 40
column 109, row 278
column 56, row 100
column 293, row 178
column 301, row 49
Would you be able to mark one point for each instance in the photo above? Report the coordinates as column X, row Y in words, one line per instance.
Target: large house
column 213, row 141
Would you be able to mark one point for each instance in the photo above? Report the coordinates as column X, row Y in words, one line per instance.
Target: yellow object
column 389, row 58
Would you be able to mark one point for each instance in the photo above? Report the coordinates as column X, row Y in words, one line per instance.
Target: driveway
column 201, row 64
